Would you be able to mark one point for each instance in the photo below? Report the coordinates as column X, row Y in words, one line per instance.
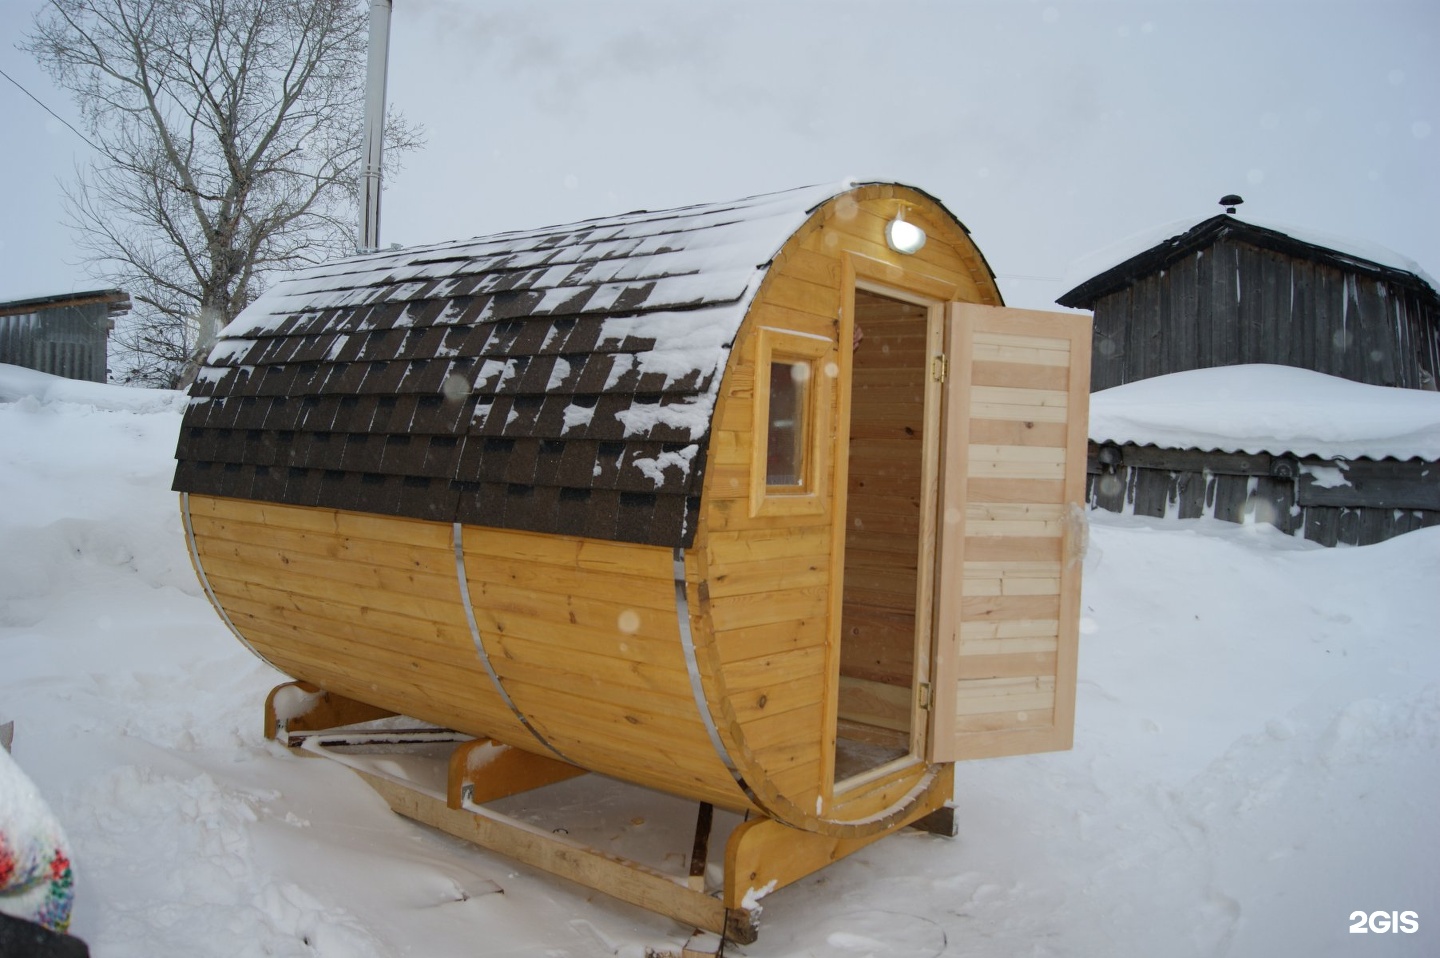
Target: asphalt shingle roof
column 557, row 380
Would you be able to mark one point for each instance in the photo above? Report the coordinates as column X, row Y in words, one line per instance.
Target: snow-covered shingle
column 554, row 380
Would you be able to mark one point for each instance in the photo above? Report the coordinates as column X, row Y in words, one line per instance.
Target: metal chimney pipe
column 374, row 142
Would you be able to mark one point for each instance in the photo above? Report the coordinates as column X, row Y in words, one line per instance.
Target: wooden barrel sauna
column 736, row 501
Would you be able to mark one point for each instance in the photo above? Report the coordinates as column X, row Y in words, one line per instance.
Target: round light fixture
column 903, row 237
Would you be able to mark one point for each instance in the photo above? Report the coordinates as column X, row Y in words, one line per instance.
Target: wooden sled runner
column 761, row 854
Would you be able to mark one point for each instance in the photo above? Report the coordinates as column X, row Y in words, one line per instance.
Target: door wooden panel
column 1012, row 532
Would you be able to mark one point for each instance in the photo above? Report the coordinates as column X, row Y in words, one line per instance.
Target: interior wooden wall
column 882, row 524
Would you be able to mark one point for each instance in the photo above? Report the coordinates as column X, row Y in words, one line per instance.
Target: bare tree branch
column 229, row 138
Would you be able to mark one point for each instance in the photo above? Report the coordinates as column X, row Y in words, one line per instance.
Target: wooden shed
column 734, row 501
column 67, row 334
column 1229, row 291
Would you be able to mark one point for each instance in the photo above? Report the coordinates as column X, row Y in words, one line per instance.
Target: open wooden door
column 1012, row 532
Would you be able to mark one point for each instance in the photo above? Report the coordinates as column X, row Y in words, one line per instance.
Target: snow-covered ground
column 1257, row 756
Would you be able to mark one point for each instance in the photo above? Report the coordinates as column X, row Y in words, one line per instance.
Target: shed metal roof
column 558, row 380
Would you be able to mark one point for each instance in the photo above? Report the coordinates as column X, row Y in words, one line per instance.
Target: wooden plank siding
column 766, row 612
column 1235, row 302
column 1377, row 500
column 1005, row 676
column 762, row 615
column 877, row 618
column 588, row 654
column 621, row 706
column 572, row 639
column 328, row 597
column 1242, row 295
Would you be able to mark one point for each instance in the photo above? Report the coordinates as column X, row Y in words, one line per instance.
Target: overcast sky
column 1051, row 129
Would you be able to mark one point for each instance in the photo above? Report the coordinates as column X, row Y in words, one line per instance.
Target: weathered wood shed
column 1229, row 291
column 735, row 501
column 66, row 334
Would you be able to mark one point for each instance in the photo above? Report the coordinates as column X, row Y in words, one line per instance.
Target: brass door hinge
column 924, row 690
column 938, row 368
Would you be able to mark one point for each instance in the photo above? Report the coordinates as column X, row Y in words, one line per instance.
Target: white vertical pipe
column 374, row 142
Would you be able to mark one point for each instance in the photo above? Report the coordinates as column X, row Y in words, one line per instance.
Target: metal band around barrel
column 205, row 579
column 692, row 665
column 480, row 646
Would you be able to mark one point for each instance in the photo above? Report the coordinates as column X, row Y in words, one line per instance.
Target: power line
column 57, row 116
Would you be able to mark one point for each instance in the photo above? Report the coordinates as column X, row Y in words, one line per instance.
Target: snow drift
column 1257, row 752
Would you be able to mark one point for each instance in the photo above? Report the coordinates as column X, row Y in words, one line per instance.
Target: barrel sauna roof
column 1175, row 242
column 559, row 380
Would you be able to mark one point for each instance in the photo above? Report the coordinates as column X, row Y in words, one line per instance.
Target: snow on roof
column 1107, row 257
column 1095, row 264
column 1270, row 409
column 552, row 380
column 694, row 255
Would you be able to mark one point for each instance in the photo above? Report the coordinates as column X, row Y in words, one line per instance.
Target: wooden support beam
column 620, row 878
column 763, row 855
column 302, row 707
column 941, row 822
column 700, row 851
column 483, row 770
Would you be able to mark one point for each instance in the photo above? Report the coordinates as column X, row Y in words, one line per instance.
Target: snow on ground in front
column 1257, row 754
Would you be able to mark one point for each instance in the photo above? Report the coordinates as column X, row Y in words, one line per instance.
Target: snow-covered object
column 36, row 882
column 1231, row 291
column 20, row 383
column 1268, row 408
column 610, row 332
column 637, row 448
column 1106, row 258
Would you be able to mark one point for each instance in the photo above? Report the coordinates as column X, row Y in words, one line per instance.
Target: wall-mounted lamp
column 903, row 237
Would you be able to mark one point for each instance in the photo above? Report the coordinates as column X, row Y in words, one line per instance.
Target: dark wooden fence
column 1329, row 501
column 1237, row 303
column 62, row 335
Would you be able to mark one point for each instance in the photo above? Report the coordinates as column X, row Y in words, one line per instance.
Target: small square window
column 791, row 423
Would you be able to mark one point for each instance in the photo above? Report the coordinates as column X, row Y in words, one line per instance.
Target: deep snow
column 1257, row 756
column 1269, row 408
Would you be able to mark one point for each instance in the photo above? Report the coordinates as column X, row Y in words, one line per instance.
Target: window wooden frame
column 809, row 495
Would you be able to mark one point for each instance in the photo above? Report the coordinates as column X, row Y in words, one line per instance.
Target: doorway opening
column 884, row 610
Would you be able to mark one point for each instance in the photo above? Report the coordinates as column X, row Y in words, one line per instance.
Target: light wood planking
column 790, row 555
column 1008, row 668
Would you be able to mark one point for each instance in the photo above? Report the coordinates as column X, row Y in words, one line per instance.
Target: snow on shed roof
column 1265, row 408
column 1099, row 273
column 552, row 380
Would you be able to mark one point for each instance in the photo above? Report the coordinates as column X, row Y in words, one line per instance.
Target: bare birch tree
column 228, row 134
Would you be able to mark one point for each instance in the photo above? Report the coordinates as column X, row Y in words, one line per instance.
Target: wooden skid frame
column 760, row 856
